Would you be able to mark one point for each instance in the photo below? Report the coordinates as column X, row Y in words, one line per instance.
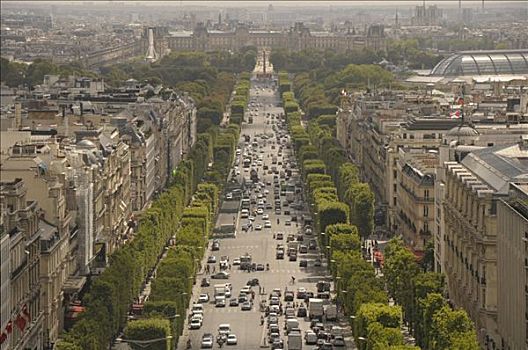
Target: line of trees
column 434, row 323
column 360, row 293
column 186, row 209
column 240, row 99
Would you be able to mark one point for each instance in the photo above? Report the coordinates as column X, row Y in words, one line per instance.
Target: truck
column 331, row 312
column 293, row 246
column 315, row 308
column 295, row 341
column 220, row 290
column 245, row 262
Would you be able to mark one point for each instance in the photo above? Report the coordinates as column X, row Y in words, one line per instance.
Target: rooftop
column 493, row 62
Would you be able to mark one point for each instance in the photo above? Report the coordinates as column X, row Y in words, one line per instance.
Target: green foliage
column 452, row 329
column 149, row 329
column 380, row 337
column 331, row 213
column 361, row 201
column 400, row 271
column 386, row 316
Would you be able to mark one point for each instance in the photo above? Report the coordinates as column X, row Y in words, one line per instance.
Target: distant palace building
column 297, row 38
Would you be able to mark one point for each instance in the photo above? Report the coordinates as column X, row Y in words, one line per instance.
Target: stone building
column 297, row 38
column 22, row 317
column 32, row 163
column 473, row 188
column 512, row 264
column 415, row 199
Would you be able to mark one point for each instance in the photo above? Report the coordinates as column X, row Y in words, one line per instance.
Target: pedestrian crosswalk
column 286, row 271
column 228, row 310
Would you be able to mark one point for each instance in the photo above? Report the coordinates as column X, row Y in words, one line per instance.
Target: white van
column 244, row 214
column 224, row 328
column 291, row 323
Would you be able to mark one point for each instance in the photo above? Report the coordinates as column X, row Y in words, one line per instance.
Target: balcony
column 16, row 272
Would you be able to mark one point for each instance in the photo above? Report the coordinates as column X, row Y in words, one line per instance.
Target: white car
column 236, row 261
column 258, row 227
column 231, row 339
column 251, row 218
column 267, row 224
column 260, row 211
column 266, row 191
column 204, row 298
column 196, row 323
column 265, row 217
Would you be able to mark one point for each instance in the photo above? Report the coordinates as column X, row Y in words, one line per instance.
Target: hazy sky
column 290, row 3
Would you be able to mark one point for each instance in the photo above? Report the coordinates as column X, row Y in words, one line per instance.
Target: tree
column 361, row 201
column 400, row 270
column 147, row 329
column 452, row 329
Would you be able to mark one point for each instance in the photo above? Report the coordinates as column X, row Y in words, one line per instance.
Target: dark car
column 289, row 296
column 216, row 246
column 233, row 302
column 205, row 282
column 253, row 282
column 211, row 259
column 303, row 263
column 312, row 245
column 301, row 312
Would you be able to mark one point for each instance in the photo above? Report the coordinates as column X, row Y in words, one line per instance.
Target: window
column 394, row 201
column 394, row 174
column 425, row 211
column 426, row 194
column 395, row 187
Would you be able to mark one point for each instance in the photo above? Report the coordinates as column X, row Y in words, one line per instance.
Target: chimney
column 18, row 115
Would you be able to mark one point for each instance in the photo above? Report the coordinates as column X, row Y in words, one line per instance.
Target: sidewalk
column 182, row 340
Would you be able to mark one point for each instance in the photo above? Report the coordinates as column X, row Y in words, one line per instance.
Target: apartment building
column 473, row 187
column 512, row 268
column 22, row 317
column 415, row 199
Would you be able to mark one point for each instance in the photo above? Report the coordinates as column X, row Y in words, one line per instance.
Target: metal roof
column 494, row 62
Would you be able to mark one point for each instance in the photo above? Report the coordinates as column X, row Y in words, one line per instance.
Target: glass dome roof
column 483, row 63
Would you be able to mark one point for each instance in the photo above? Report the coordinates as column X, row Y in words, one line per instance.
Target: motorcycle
column 267, row 267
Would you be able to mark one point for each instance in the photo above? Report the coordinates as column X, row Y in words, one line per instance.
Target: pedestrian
column 293, row 280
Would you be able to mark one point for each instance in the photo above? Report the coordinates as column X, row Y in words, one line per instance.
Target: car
column 242, row 298
column 289, row 296
column 267, row 224
column 326, row 346
column 302, row 312
column 216, row 246
column 196, row 323
column 279, row 236
column 260, row 267
column 312, row 245
column 205, row 282
column 338, row 341
column 231, row 339
column 265, row 216
column 303, row 249
column 246, row 306
column 211, row 259
column 317, row 262
column 287, row 223
column 274, row 300
column 229, row 196
column 253, row 282
column 310, row 337
column 260, row 211
column 222, row 275
column 224, row 259
column 303, row 263
column 224, row 329
column 300, row 238
column 207, row 341
column 293, row 257
column 258, row 227
column 203, row 298
column 236, row 261
column 277, row 211
column 251, row 218
column 233, row 302
column 301, row 292
column 269, row 206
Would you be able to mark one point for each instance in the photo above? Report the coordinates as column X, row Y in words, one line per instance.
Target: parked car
column 231, row 339
column 205, row 282
column 204, row 298
column 222, row 275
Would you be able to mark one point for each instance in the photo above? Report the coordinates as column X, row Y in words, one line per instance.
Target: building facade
column 512, row 268
column 473, row 188
column 22, row 318
column 298, row 38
